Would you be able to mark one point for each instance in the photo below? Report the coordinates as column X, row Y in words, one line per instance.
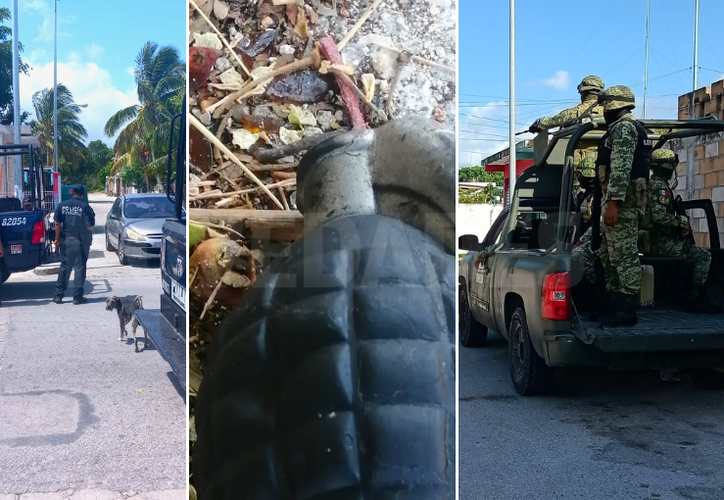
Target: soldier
column 589, row 89
column 74, row 221
column 623, row 163
column 668, row 230
column 585, row 175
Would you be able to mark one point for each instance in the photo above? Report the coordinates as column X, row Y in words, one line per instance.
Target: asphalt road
column 80, row 410
column 602, row 435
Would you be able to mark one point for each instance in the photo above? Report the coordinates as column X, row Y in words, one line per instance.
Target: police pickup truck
column 518, row 281
column 167, row 327
column 25, row 223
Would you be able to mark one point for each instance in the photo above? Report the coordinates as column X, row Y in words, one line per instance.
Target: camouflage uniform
column 583, row 258
column 666, row 227
column 584, row 201
column 619, row 243
column 589, row 89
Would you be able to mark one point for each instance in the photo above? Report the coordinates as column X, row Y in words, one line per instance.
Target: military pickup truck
column 518, row 281
column 25, row 223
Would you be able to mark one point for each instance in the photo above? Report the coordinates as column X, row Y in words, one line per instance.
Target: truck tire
column 109, row 247
column 706, row 378
column 528, row 370
column 472, row 333
column 335, row 375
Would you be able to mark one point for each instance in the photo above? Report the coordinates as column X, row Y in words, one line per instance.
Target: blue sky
column 559, row 42
column 97, row 44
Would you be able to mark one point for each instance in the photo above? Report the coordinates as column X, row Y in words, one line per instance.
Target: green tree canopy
column 160, row 76
column 71, row 133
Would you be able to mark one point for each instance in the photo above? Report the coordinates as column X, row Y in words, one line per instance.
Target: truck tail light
column 38, row 233
column 556, row 297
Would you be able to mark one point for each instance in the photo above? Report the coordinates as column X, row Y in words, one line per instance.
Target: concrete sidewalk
column 82, row 415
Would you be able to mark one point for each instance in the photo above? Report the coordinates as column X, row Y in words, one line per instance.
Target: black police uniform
column 76, row 217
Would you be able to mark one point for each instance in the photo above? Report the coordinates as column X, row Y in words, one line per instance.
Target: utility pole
column 512, row 170
column 646, row 62
column 696, row 44
column 55, row 90
column 690, row 152
column 16, row 103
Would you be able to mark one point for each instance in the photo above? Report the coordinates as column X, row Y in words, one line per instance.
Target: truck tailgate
column 16, row 229
column 658, row 329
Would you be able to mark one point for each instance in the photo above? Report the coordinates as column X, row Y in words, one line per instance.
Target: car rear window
column 148, row 208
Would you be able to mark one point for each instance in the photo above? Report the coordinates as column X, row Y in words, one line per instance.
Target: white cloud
column 89, row 83
column 46, row 28
column 96, row 50
column 561, row 80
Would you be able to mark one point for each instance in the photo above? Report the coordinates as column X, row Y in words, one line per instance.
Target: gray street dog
column 127, row 307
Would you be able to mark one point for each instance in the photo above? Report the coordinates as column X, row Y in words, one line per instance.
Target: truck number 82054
column 14, row 221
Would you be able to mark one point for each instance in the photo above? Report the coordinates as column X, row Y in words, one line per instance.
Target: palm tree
column 144, row 128
column 71, row 133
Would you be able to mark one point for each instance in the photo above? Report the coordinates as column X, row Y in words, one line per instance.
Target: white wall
column 476, row 219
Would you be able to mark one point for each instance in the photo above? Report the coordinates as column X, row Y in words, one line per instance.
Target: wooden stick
column 363, row 18
column 221, row 37
column 418, row 59
column 307, row 62
column 219, row 194
column 274, row 225
column 271, row 155
column 210, row 137
column 349, row 97
column 284, row 196
column 360, row 95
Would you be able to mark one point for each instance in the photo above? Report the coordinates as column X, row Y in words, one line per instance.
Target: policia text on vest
column 74, row 221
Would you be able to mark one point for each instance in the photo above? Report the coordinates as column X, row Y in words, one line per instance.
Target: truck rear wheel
column 472, row 333
column 528, row 370
column 706, row 378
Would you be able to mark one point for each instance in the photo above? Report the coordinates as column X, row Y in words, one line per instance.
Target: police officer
column 589, row 89
column 623, row 163
column 74, row 221
column 668, row 230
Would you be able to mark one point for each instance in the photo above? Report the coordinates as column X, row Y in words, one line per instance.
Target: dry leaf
column 301, row 28
column 207, row 40
column 235, row 279
column 368, row 83
column 221, row 10
column 312, row 14
column 243, row 138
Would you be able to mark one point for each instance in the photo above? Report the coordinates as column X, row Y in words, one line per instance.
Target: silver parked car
column 134, row 226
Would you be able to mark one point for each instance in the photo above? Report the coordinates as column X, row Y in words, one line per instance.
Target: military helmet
column 587, row 168
column 617, row 97
column 591, row 83
column 664, row 158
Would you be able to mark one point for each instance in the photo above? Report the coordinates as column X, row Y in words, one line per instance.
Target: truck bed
column 658, row 329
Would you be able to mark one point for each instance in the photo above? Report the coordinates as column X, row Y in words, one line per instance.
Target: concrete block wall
column 708, row 167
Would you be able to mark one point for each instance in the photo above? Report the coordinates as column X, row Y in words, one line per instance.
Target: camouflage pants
column 700, row 258
column 583, row 261
column 620, row 254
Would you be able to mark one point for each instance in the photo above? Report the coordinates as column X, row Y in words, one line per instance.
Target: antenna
column 512, row 170
column 646, row 60
column 696, row 45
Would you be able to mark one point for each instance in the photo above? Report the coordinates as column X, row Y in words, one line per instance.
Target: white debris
column 243, row 138
column 288, row 136
column 208, row 40
column 231, row 77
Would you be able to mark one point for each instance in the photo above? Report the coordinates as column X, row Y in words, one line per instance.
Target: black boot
column 704, row 303
column 621, row 311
